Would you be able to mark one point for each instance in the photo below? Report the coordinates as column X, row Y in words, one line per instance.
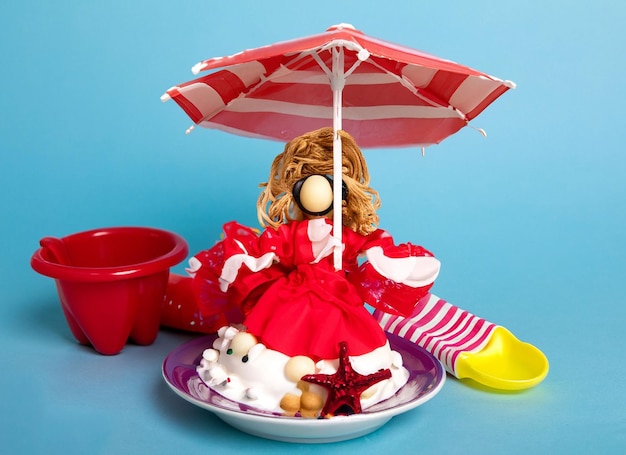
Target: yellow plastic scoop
column 504, row 363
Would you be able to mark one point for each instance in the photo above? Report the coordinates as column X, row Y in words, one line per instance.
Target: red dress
column 291, row 296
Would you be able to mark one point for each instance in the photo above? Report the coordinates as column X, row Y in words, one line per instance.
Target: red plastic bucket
column 111, row 282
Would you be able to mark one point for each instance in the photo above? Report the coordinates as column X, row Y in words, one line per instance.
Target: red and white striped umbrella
column 383, row 94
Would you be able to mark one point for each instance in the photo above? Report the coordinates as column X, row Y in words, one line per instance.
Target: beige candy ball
column 242, row 343
column 290, row 403
column 310, row 401
column 369, row 392
column 298, row 366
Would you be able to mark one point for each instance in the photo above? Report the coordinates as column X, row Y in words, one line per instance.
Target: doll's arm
column 407, row 264
column 251, row 263
column 238, row 254
column 394, row 277
column 234, row 265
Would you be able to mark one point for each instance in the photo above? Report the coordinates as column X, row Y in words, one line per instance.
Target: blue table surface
column 529, row 223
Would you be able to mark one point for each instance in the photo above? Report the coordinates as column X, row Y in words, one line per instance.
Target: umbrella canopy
column 383, row 94
column 391, row 95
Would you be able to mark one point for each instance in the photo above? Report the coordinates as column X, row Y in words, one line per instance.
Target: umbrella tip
column 195, row 69
column 482, row 132
column 340, row 26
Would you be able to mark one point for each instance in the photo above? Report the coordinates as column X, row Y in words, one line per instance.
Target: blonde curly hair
column 312, row 153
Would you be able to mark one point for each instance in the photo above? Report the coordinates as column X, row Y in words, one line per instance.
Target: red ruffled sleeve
column 237, row 270
column 394, row 277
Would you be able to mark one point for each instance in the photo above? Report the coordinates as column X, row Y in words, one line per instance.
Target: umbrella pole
column 337, row 83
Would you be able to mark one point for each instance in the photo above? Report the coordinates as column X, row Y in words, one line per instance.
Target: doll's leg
column 469, row 346
column 441, row 328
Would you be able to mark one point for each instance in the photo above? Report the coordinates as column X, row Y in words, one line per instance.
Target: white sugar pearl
column 230, row 333
column 210, row 355
column 218, row 375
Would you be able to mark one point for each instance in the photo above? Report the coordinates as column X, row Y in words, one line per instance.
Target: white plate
column 427, row 377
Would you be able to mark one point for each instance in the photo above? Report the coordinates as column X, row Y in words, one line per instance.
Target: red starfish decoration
column 345, row 386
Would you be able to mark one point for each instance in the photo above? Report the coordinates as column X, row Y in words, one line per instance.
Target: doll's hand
column 398, row 265
column 406, row 250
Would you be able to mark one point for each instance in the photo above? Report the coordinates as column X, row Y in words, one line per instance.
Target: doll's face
column 314, row 195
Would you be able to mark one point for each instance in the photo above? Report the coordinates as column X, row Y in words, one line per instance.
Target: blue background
column 529, row 222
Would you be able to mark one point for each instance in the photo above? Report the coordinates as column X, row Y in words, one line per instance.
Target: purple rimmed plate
column 426, row 379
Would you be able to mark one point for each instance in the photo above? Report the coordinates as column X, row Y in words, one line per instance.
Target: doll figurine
column 281, row 283
column 282, row 287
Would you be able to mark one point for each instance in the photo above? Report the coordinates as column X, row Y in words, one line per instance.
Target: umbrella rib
column 262, row 80
column 416, row 91
column 321, row 64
